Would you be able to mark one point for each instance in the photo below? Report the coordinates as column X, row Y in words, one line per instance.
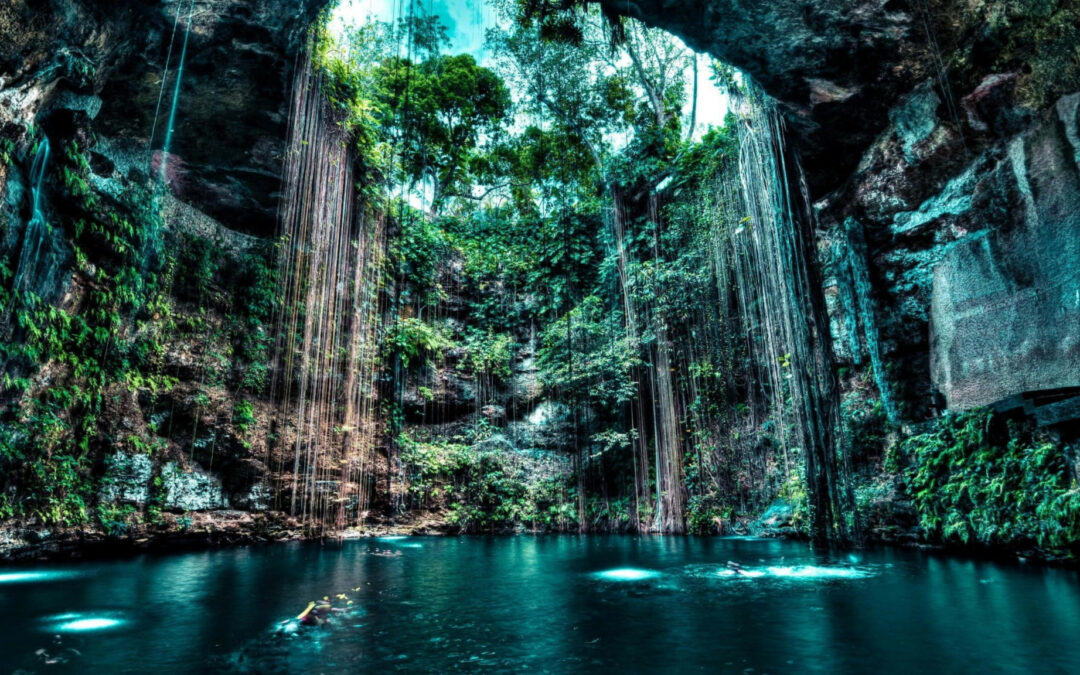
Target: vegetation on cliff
column 522, row 292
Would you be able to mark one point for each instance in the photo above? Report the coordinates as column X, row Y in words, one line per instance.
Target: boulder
column 192, row 489
column 127, row 479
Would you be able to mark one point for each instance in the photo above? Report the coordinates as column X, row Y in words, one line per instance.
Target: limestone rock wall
column 1005, row 306
column 67, row 61
column 942, row 132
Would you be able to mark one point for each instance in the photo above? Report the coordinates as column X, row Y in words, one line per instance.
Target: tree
column 440, row 112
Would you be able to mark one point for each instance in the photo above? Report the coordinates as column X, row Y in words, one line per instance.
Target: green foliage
column 418, row 252
column 865, row 424
column 439, row 111
column 40, row 454
column 254, row 304
column 481, row 491
column 705, row 512
column 47, row 442
column 244, row 420
column 607, row 515
column 434, row 113
column 587, row 356
column 7, row 151
column 566, row 250
column 489, row 354
column 413, row 340
column 793, row 491
column 347, row 84
column 977, row 478
column 116, row 519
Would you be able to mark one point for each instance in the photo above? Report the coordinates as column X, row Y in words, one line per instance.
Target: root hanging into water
column 329, row 262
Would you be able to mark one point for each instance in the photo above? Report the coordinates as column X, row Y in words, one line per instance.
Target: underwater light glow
column 627, row 574
column 398, row 540
column 88, row 624
column 29, row 577
column 796, row 572
column 78, row 622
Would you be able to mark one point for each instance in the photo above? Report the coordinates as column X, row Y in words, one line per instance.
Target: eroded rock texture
column 943, row 133
column 92, row 78
column 1005, row 307
column 65, row 62
column 939, row 139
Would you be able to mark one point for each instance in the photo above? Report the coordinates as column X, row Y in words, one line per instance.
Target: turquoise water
column 559, row 604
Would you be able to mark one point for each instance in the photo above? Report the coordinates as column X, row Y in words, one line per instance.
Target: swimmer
column 317, row 613
column 59, row 655
column 735, row 567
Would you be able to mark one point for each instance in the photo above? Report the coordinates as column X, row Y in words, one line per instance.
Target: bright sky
column 468, row 20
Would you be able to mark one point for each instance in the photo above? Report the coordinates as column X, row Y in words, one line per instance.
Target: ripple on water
column 798, row 572
column 817, row 572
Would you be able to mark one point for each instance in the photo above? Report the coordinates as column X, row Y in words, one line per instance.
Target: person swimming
column 317, row 613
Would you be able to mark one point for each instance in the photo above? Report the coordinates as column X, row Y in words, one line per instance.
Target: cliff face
column 940, row 141
column 86, row 93
column 943, row 133
column 101, row 68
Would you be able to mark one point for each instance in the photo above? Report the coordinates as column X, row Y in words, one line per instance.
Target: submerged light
column 627, row 574
column 79, row 622
column 398, row 540
column 796, row 572
column 88, row 624
column 30, row 577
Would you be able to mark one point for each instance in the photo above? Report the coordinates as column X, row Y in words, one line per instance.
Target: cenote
column 540, row 336
column 548, row 604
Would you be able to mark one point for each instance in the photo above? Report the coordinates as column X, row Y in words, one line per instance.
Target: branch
column 573, row 124
column 493, row 188
column 654, row 96
column 693, row 106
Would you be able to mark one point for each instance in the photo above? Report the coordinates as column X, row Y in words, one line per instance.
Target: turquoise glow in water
column 81, row 622
column 33, row 577
column 808, row 572
column 627, row 574
column 400, row 541
column 530, row 604
column 80, row 625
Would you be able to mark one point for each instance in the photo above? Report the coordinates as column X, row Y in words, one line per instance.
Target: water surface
column 559, row 604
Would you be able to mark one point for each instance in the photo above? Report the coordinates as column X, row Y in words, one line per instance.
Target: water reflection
column 564, row 604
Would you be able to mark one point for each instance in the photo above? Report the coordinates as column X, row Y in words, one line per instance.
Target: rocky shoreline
column 24, row 544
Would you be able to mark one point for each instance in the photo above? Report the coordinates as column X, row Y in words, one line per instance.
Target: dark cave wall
column 964, row 187
column 106, row 61
column 90, row 74
column 945, row 133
